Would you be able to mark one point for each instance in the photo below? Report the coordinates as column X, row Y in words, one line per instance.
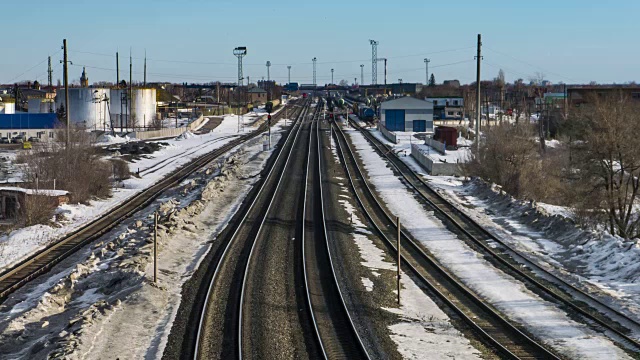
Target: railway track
column 219, row 329
column 508, row 340
column 334, row 326
column 610, row 321
column 43, row 260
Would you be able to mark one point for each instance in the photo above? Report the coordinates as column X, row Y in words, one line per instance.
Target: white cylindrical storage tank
column 87, row 107
column 7, row 108
column 143, row 108
column 144, row 105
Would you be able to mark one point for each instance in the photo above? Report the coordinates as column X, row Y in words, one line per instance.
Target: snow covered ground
column 603, row 265
column 423, row 327
column 20, row 243
column 406, row 139
column 544, row 319
column 100, row 302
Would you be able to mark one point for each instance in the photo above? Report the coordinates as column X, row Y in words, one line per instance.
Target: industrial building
column 98, row 108
column 447, row 108
column 41, row 126
column 407, row 114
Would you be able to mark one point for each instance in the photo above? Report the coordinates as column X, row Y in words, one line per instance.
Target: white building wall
column 85, row 107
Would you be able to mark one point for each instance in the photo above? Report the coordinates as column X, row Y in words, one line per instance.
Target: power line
column 273, row 64
column 527, row 63
column 35, row 66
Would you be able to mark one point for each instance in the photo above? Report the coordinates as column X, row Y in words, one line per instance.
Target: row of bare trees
column 596, row 171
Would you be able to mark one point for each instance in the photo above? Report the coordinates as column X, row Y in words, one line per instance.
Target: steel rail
column 343, row 303
column 464, row 218
column 296, row 130
column 540, row 350
column 43, row 260
column 304, row 258
column 254, row 242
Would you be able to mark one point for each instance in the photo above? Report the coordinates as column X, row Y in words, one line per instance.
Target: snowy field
column 544, row 319
column 101, row 300
column 20, row 243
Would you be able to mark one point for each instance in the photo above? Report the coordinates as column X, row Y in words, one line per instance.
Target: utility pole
column 374, row 61
column 155, row 247
column 361, row 74
column 130, row 99
column 478, row 100
column 145, row 68
column 426, row 62
column 289, row 68
column 118, row 73
column 65, row 67
column 399, row 256
column 331, row 76
column 314, row 71
column 50, row 84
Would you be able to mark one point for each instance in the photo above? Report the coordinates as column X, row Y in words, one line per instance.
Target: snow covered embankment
column 606, row 266
column 548, row 322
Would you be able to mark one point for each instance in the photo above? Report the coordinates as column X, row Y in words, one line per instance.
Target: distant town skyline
column 192, row 41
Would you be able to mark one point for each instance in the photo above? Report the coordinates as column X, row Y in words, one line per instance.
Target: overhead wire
column 527, row 63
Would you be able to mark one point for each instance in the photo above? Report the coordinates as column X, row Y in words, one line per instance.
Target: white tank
column 41, row 106
column 7, row 108
column 86, row 107
column 143, row 108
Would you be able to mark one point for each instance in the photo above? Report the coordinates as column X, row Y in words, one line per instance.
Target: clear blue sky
column 567, row 40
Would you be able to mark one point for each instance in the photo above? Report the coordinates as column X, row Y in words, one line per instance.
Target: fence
column 435, row 144
column 387, row 134
column 421, row 155
column 168, row 132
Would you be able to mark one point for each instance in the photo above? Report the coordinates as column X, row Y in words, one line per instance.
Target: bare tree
column 608, row 161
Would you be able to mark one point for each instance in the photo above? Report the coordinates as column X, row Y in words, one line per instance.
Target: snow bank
column 544, row 319
column 106, row 139
column 594, row 261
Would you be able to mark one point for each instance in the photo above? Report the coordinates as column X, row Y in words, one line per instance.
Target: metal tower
column 240, row 52
column 268, row 66
column 50, row 75
column 331, row 76
column 427, row 61
column 361, row 74
column 289, row 68
column 374, row 61
column 314, row 71
column 385, row 69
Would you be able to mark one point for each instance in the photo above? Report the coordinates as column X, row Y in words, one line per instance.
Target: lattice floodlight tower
column 314, row 71
column 374, row 61
column 268, row 75
column 240, row 52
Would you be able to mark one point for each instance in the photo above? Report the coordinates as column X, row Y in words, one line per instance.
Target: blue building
column 41, row 126
column 407, row 114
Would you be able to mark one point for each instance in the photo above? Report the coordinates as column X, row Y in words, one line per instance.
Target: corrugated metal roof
column 407, row 102
column 28, row 121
